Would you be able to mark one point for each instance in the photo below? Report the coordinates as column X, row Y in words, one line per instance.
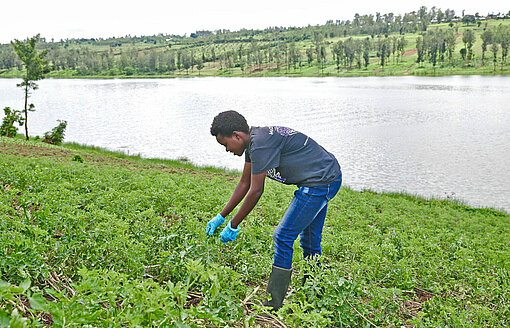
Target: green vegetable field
column 90, row 238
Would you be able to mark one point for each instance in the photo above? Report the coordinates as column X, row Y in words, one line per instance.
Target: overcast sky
column 60, row 19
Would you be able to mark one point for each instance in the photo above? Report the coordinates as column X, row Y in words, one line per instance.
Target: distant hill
column 426, row 41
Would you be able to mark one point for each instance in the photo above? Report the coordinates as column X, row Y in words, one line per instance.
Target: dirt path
column 409, row 52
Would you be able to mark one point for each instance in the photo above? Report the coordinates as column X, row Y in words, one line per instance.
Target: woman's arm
column 240, row 191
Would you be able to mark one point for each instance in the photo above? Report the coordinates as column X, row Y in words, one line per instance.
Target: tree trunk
column 26, row 111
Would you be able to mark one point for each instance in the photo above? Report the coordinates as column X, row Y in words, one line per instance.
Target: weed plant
column 56, row 135
column 119, row 241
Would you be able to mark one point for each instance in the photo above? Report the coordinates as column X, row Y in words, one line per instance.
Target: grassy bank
column 89, row 237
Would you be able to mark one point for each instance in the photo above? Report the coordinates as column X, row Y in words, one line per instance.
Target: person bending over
column 289, row 157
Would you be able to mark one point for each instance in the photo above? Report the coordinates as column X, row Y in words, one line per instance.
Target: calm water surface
column 440, row 137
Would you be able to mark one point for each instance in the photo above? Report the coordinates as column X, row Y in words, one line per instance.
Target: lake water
column 432, row 136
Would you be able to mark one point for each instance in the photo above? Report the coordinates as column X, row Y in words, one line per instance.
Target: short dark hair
column 225, row 123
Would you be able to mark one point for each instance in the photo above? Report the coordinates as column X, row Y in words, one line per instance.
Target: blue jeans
column 304, row 218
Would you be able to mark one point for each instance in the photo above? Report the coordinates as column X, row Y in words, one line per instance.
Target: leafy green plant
column 77, row 158
column 21, row 303
column 12, row 116
column 56, row 135
column 120, row 241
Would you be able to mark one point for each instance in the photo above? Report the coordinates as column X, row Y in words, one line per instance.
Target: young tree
column 367, row 46
column 433, row 43
column 420, row 47
column 309, row 55
column 440, row 16
column 358, row 52
column 186, row 62
column 293, row 54
column 338, row 50
column 394, row 47
column 36, row 68
column 179, row 60
column 494, row 49
column 469, row 38
column 240, row 52
column 349, row 51
column 11, row 116
column 383, row 51
column 486, row 40
column 450, row 40
column 213, row 54
column 200, row 65
column 192, row 61
column 322, row 55
column 401, row 45
column 242, row 64
column 503, row 38
column 170, row 62
column 442, row 46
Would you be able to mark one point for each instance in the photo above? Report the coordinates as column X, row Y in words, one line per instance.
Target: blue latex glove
column 214, row 223
column 229, row 233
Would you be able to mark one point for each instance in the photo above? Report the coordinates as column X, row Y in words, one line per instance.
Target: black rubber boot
column 279, row 282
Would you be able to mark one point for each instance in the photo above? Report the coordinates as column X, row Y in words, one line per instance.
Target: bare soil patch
column 410, row 308
column 261, row 68
column 410, row 52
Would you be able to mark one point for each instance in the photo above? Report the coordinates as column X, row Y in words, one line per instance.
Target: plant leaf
column 38, row 302
column 25, row 284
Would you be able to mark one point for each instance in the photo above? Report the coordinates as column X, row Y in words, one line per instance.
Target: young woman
column 289, row 157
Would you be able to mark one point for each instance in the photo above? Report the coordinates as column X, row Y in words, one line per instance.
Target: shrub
column 56, row 135
column 77, row 158
column 11, row 116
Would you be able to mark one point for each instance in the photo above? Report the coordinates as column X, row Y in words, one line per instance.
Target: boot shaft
column 277, row 287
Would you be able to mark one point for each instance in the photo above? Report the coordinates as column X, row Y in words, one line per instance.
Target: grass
column 120, row 241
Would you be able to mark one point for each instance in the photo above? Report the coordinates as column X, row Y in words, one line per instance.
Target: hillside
column 100, row 239
column 423, row 42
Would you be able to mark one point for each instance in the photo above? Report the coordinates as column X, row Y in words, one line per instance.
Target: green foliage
column 120, row 241
column 56, row 135
column 12, row 296
column 35, row 68
column 295, row 51
column 468, row 38
column 12, row 116
column 469, row 19
column 35, row 65
column 77, row 158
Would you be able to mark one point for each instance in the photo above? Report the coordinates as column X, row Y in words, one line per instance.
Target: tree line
column 439, row 46
column 435, row 46
column 248, row 55
column 380, row 36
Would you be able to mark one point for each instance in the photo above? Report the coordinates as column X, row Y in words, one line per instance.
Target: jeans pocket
column 320, row 191
column 333, row 188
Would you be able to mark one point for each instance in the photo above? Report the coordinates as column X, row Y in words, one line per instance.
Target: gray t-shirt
column 290, row 157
